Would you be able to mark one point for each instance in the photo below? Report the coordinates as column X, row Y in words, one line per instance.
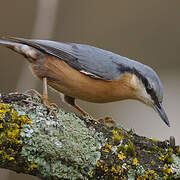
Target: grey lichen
column 64, row 148
column 175, row 166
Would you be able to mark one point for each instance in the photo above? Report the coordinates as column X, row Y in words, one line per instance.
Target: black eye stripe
column 143, row 79
column 153, row 96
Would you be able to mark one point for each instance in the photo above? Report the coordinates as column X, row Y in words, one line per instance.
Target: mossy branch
column 35, row 142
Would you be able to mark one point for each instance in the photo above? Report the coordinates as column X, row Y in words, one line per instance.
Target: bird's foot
column 33, row 92
column 51, row 107
column 87, row 116
column 107, row 121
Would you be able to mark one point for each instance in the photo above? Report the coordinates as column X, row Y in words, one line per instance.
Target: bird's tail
column 20, row 48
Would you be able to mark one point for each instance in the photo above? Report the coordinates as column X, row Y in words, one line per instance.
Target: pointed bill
column 162, row 113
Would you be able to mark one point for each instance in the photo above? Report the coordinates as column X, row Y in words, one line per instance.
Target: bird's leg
column 44, row 97
column 45, row 93
column 71, row 101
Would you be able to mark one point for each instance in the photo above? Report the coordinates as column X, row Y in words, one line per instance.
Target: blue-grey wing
column 92, row 61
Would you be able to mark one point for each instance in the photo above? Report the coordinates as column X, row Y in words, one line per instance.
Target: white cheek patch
column 144, row 94
column 145, row 97
column 134, row 81
column 140, row 92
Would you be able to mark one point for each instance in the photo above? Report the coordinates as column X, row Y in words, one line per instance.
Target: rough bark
column 35, row 141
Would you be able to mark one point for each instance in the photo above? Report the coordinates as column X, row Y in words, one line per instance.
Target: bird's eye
column 154, row 97
column 149, row 89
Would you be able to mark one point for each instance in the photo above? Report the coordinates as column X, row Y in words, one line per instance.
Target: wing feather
column 89, row 60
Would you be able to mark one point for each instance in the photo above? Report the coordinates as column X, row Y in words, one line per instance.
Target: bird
column 85, row 72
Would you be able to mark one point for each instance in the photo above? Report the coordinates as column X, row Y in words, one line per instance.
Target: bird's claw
column 107, row 121
column 51, row 107
column 87, row 116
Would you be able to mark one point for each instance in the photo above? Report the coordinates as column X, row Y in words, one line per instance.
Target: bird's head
column 148, row 89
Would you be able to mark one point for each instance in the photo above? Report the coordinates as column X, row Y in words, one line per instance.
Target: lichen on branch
column 34, row 141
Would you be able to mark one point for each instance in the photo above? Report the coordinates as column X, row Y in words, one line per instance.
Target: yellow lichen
column 147, row 151
column 113, row 169
column 167, row 157
column 91, row 174
column 14, row 114
column 167, row 172
column 178, row 152
column 152, row 163
column 11, row 125
column 150, row 174
column 115, row 132
column 130, row 149
column 13, row 133
column 166, row 169
column 108, row 147
column 98, row 164
column 116, row 135
column 105, row 168
column 1, row 125
column 127, row 149
column 3, row 109
column 121, row 155
column 11, row 158
column 116, row 170
column 31, row 165
column 135, row 162
column 154, row 140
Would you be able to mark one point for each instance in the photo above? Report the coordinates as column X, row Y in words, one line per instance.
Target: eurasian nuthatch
column 89, row 73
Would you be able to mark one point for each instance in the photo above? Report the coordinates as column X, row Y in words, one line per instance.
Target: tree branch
column 35, row 142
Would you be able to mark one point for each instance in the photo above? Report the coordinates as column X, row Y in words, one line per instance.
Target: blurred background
column 147, row 31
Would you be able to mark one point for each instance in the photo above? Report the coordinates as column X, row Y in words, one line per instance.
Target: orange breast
column 69, row 81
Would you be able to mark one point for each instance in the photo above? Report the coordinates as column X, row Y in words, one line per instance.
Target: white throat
column 140, row 91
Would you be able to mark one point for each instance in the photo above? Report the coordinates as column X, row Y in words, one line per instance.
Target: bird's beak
column 162, row 113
